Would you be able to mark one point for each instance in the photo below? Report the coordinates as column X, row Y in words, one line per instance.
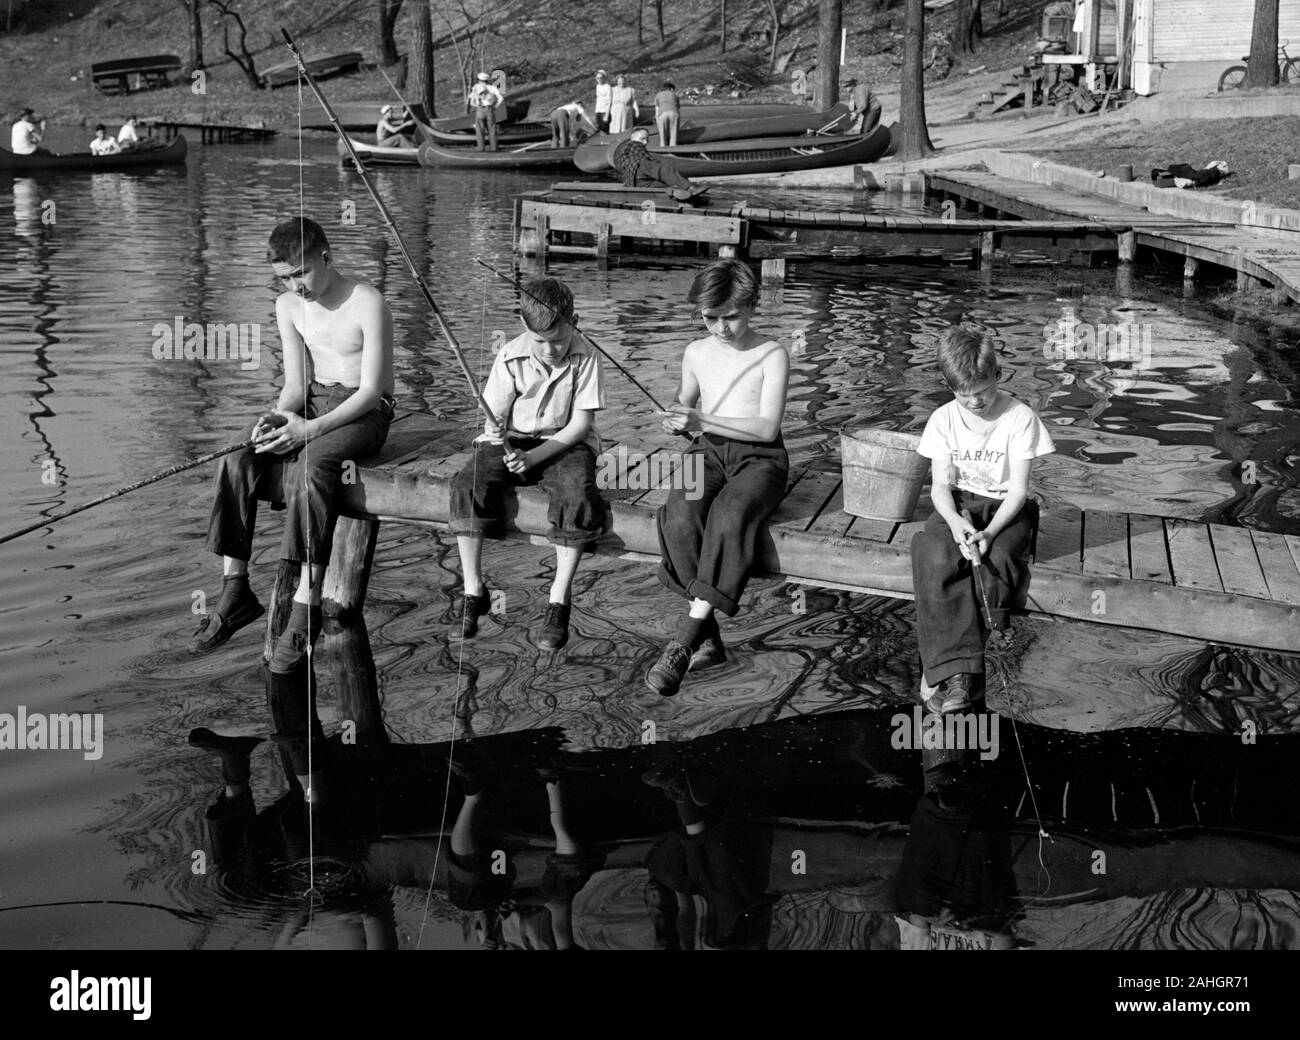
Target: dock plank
column 1280, row 571
column 832, row 521
column 1060, row 539
column 1239, row 568
column 804, row 502
column 1191, row 555
column 1148, row 553
column 1105, row 544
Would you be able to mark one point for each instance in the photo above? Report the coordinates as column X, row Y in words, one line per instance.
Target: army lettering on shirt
column 982, row 450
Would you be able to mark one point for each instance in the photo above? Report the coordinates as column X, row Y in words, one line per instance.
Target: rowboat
column 755, row 155
column 373, row 154
column 513, row 134
column 695, row 127
column 320, row 68
column 172, row 152
column 518, row 159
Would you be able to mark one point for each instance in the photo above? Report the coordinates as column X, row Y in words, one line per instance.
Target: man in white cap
column 390, row 134
column 604, row 100
column 864, row 107
column 483, row 101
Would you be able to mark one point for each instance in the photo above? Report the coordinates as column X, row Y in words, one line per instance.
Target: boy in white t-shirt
column 981, row 445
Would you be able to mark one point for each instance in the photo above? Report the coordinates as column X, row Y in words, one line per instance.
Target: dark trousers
column 576, row 511
column 306, row 483
column 485, row 123
column 709, row 544
column 950, row 624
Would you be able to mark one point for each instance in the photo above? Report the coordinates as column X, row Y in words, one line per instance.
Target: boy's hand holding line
column 281, row 433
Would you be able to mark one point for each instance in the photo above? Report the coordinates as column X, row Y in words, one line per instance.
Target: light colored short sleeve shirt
column 982, row 450
column 127, row 135
column 24, row 138
column 538, row 402
column 604, row 97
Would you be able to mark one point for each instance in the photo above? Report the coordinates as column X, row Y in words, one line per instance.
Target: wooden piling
column 1127, row 246
column 344, row 640
column 773, row 272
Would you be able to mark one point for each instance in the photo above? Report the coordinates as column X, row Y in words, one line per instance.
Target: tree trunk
column 243, row 59
column 196, row 35
column 722, row 34
column 776, row 33
column 1261, row 70
column 826, row 89
column 915, row 135
column 421, row 64
column 640, row 17
column 386, row 12
column 659, row 20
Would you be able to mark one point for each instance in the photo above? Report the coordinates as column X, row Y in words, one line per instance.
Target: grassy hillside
column 548, row 48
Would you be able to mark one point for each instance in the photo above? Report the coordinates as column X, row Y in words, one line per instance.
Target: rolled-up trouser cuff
column 699, row 590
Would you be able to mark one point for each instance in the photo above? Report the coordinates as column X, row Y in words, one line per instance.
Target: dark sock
column 234, row 752
column 692, row 631
column 234, row 589
column 688, row 812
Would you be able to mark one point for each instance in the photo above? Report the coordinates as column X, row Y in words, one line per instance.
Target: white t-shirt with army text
column 982, row 450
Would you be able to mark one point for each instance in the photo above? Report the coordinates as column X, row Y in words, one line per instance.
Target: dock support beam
column 344, row 639
column 1190, row 264
column 773, row 272
column 1127, row 246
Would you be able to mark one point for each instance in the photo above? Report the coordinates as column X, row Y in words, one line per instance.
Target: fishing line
column 977, row 575
column 309, row 714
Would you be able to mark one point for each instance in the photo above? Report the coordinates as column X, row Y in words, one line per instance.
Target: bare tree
column 386, row 12
column 968, row 26
column 826, row 90
column 470, row 49
column 914, row 135
column 722, row 33
column 421, row 64
column 775, row 12
column 1261, row 70
column 243, row 59
column 640, row 14
column 659, row 20
column 193, row 11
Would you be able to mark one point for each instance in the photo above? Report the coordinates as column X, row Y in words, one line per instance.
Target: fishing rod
column 977, row 573
column 388, row 220
column 180, row 468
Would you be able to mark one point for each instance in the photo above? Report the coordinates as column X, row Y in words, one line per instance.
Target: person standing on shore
column 864, row 107
column 623, row 109
column 604, row 100
column 667, row 109
column 564, row 124
column 483, row 101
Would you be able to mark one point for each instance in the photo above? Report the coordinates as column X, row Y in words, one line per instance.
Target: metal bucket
column 883, row 474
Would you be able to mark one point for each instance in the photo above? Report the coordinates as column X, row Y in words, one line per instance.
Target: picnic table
column 114, row 77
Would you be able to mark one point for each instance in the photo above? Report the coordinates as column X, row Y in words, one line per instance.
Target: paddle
column 181, row 468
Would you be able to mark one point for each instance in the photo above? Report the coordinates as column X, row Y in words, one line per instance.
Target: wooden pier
column 211, row 133
column 584, row 220
column 1205, row 581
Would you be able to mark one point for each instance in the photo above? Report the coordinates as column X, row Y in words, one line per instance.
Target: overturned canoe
column 517, row 159
column 143, row 155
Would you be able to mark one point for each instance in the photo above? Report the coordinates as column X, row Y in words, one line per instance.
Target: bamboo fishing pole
column 180, row 468
column 388, row 220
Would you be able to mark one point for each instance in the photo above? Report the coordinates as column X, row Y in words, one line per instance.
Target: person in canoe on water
column 638, row 168
column 127, row 137
column 394, row 129
column 102, row 144
column 25, row 138
column 339, row 331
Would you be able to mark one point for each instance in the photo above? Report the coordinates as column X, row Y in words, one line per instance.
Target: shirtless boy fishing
column 733, row 393
column 335, row 407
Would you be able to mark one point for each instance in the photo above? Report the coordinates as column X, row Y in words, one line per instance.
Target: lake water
column 117, row 851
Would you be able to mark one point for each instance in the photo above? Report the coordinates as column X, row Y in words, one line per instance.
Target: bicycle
column 1235, row 75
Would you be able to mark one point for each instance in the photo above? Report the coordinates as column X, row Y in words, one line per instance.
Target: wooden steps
column 1205, row 581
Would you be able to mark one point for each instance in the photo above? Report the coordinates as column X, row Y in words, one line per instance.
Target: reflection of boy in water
column 481, row 877
column 713, row 858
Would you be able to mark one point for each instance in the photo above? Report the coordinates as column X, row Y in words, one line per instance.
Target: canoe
column 372, row 154
column 693, row 129
column 172, row 152
column 749, row 156
column 511, row 134
column 283, row 75
column 519, row 159
column 507, row 112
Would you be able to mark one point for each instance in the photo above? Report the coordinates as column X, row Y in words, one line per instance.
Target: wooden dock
column 1257, row 261
column 567, row 220
column 1204, row 581
column 211, row 133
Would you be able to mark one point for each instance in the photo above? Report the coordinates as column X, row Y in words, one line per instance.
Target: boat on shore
column 363, row 116
column 372, row 154
column 525, row 158
column 748, row 155
column 142, row 155
column 696, row 127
